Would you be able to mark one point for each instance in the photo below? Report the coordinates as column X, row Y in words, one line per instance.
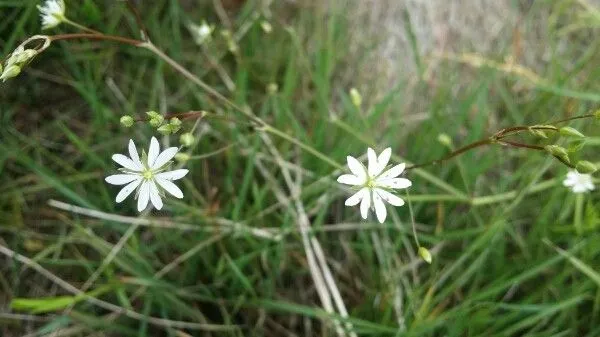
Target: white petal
column 394, row 183
column 357, row 168
column 155, row 196
column 153, row 151
column 389, row 197
column 126, row 191
column 135, row 157
column 380, row 210
column 372, row 165
column 144, row 196
column 383, row 160
column 356, row 197
column 125, row 162
column 393, row 172
column 164, row 157
column 365, row 204
column 350, row 179
column 121, row 179
column 170, row 187
column 173, row 175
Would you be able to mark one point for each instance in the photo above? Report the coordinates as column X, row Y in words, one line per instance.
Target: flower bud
column 182, row 157
column 175, row 124
column 585, row 167
column 21, row 56
column 152, row 114
column 444, row 139
column 557, row 151
column 571, row 132
column 425, row 254
column 266, row 26
column 576, row 145
column 10, row 72
column 164, row 130
column 155, row 119
column 126, row 121
column 187, row 139
column 272, row 88
column 355, row 97
column 537, row 132
column 597, row 114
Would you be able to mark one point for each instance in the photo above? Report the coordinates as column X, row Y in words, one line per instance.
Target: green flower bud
column 425, row 254
column 155, row 122
column 175, row 121
column 557, row 151
column 585, row 167
column 355, row 97
column 126, row 121
column 175, row 124
column 10, row 72
column 444, row 139
column 20, row 56
column 187, row 139
column 152, row 114
column 576, row 145
column 266, row 26
column 164, row 130
column 597, row 114
column 571, row 132
column 182, row 157
column 537, row 132
column 272, row 88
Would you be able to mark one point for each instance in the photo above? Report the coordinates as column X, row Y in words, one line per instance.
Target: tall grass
column 233, row 258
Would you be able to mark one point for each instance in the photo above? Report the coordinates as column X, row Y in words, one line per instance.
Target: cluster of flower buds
column 17, row 60
column 22, row 55
column 566, row 155
column 172, row 127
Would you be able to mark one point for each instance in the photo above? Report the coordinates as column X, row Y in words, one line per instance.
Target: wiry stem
column 498, row 138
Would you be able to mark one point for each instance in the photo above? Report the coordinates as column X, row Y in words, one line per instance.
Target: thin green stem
column 578, row 213
column 80, row 26
column 307, row 148
column 150, row 46
column 412, row 219
column 453, row 154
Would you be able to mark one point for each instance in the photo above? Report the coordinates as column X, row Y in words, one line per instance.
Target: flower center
column 148, row 174
column 370, row 183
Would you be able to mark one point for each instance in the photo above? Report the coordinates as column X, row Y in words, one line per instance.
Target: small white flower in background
column 144, row 175
column 578, row 182
column 201, row 33
column 375, row 184
column 52, row 13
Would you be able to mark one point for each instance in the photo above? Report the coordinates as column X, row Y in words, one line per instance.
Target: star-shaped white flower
column 52, row 13
column 375, row 184
column 578, row 182
column 145, row 176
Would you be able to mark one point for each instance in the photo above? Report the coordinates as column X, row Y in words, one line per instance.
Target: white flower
column 374, row 183
column 145, row 176
column 201, row 33
column 579, row 183
column 52, row 13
